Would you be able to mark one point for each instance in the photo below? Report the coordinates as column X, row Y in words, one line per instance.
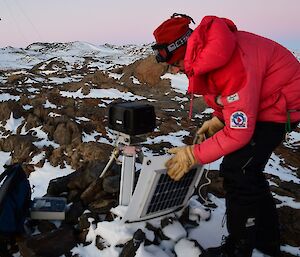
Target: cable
column 15, row 21
column 206, row 202
column 28, row 19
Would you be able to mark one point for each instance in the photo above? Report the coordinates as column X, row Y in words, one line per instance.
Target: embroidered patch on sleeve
column 238, row 120
column 233, row 98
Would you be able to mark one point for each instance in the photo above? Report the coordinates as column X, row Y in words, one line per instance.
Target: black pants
column 250, row 208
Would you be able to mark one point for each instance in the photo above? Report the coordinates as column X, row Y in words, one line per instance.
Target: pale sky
column 133, row 21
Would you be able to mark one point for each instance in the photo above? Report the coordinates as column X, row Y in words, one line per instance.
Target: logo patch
column 233, row 98
column 250, row 222
column 238, row 120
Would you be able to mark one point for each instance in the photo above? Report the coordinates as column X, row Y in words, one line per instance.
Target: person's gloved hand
column 181, row 162
column 209, row 128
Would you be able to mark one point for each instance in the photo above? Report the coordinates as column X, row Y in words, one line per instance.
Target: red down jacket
column 256, row 78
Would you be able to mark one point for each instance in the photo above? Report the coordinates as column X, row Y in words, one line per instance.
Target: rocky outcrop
column 147, row 71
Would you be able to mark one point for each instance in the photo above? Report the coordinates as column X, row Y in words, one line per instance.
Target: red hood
column 210, row 46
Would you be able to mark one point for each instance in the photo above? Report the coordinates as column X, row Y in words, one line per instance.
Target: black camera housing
column 131, row 118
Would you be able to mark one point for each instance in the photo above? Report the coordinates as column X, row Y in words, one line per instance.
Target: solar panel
column 169, row 193
column 156, row 194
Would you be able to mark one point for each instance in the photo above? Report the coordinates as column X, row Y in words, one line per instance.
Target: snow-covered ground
column 208, row 233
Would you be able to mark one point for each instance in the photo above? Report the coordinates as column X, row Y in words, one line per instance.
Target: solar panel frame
column 152, row 171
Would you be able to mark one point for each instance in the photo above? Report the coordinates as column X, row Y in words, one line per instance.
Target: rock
column 59, row 185
column 39, row 110
column 111, row 184
column 52, row 244
column 157, row 233
column 93, row 192
column 83, row 223
column 291, row 188
column 16, row 79
column 101, row 243
column 149, row 71
column 56, row 157
column 99, row 78
column 6, row 108
column 73, row 196
column 102, row 206
column 290, row 225
column 132, row 245
column 45, row 226
column 21, row 147
column 88, row 173
column 92, row 151
column 67, row 133
column 32, row 121
column 74, row 212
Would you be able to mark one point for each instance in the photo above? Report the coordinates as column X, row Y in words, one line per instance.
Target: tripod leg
column 127, row 175
column 113, row 156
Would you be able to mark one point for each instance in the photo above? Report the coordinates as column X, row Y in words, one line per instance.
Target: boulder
column 149, row 71
column 21, row 147
column 51, row 244
column 67, row 133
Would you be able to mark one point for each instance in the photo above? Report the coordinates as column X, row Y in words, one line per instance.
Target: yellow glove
column 209, row 128
column 181, row 163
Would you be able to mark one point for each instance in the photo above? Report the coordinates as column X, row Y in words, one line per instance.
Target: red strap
column 191, row 106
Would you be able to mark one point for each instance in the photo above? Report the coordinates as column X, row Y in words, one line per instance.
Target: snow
column 179, row 82
column 27, row 107
column 12, row 124
column 186, row 248
column 43, row 139
column 150, row 251
column 59, row 81
column 293, row 140
column 71, row 54
column 211, row 233
column 122, row 232
column 286, row 201
column 174, row 231
column 285, row 174
column 53, row 114
column 6, row 97
column 102, row 93
column 5, row 157
column 174, row 138
column 92, row 251
column 37, row 158
column 115, row 75
column 40, row 178
column 49, row 105
column 290, row 249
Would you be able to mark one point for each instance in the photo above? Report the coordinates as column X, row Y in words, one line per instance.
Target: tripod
column 126, row 146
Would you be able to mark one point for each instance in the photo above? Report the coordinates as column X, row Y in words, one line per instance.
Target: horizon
column 122, row 23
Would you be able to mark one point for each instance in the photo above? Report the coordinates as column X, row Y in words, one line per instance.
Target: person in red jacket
column 253, row 85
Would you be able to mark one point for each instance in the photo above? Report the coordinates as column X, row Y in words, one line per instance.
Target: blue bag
column 15, row 200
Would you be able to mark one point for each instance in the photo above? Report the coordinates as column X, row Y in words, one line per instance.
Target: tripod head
column 125, row 139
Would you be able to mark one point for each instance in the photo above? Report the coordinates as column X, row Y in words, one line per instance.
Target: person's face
column 177, row 67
